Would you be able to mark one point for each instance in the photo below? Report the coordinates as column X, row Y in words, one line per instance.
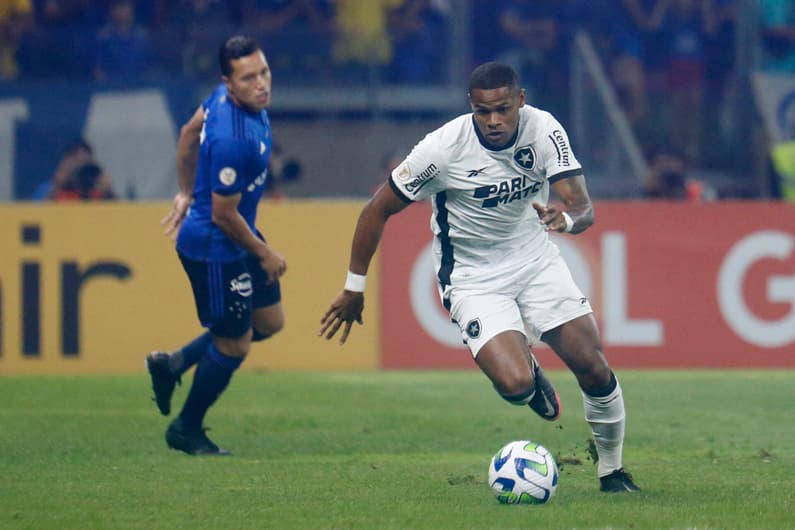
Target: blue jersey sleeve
column 228, row 165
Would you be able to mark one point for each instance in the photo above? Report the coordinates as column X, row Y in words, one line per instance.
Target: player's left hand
column 179, row 209
column 346, row 308
column 551, row 217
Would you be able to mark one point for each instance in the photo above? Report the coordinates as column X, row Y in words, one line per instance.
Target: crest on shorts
column 473, row 328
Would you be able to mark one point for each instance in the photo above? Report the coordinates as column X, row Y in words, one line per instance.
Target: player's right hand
column 179, row 210
column 274, row 265
column 346, row 308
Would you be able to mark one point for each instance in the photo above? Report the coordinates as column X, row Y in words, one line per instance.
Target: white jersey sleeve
column 423, row 172
column 556, row 158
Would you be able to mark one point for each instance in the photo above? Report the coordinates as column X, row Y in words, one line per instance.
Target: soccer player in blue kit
column 222, row 162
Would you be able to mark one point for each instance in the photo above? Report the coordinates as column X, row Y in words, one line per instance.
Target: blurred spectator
column 618, row 31
column 16, row 17
column 668, row 179
column 124, row 50
column 721, row 86
column 538, row 48
column 297, row 34
column 686, row 25
column 281, row 171
column 88, row 182
column 201, row 25
column 58, row 44
column 419, row 39
column 77, row 177
column 362, row 43
column 777, row 21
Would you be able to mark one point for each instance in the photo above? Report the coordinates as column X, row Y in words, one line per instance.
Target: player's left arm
column 577, row 206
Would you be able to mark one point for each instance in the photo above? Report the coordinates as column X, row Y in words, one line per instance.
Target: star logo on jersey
column 475, row 172
column 473, row 328
column 525, row 157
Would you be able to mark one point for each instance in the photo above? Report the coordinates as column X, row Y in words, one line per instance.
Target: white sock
column 607, row 418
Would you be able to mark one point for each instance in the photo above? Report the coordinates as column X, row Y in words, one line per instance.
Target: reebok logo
column 475, row 172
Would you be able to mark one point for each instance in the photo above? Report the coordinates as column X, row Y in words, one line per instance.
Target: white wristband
column 355, row 282
column 569, row 222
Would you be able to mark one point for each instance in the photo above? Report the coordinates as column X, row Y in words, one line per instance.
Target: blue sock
column 192, row 352
column 213, row 373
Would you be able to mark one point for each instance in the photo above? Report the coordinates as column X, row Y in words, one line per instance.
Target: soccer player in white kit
column 488, row 175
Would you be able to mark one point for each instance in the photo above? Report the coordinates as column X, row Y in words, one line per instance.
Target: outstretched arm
column 347, row 307
column 187, row 160
column 578, row 207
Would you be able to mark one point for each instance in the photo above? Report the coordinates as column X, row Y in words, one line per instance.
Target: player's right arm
column 417, row 177
column 187, row 160
column 347, row 307
column 227, row 217
column 229, row 161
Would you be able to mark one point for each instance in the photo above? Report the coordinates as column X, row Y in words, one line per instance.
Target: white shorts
column 529, row 299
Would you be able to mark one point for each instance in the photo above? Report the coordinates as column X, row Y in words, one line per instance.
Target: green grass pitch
column 710, row 449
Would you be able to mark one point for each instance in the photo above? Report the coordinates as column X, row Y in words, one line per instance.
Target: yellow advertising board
column 92, row 288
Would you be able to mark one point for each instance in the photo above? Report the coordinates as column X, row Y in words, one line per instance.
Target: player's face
column 249, row 85
column 496, row 112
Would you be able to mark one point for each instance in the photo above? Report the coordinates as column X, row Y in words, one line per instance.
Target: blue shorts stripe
column 216, row 290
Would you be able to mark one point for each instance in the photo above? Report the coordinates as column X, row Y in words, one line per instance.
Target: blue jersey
column 235, row 147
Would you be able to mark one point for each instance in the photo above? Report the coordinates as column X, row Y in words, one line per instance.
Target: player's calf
column 545, row 402
column 164, row 379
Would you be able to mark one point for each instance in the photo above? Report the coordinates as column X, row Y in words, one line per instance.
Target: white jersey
column 482, row 213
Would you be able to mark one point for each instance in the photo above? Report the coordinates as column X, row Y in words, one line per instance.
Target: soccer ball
column 523, row 472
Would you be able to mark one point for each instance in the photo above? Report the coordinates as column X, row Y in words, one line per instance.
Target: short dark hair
column 235, row 48
column 493, row 75
column 77, row 144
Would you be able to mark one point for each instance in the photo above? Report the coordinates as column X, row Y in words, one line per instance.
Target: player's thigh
column 266, row 293
column 268, row 320
column 268, row 315
column 505, row 360
column 483, row 315
column 223, row 293
column 550, row 298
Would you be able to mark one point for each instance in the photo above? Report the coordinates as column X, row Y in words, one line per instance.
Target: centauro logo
column 416, row 183
column 561, row 146
column 507, row 191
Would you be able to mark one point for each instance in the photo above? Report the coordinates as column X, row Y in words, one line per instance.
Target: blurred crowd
column 139, row 39
column 672, row 62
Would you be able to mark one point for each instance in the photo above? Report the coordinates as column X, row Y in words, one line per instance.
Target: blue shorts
column 227, row 292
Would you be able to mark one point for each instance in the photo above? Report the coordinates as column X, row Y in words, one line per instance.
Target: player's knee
column 516, row 389
column 256, row 336
column 520, row 398
column 237, row 348
column 266, row 331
